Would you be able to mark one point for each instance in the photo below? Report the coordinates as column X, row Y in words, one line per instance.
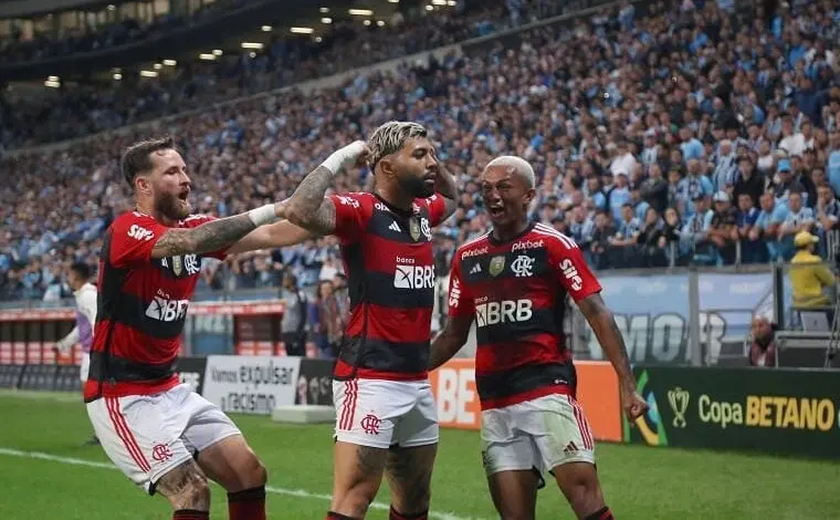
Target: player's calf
column 409, row 474
column 579, row 483
column 187, row 489
column 358, row 474
column 235, row 466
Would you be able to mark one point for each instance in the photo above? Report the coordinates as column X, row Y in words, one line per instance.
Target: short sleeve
column 437, row 209
column 194, row 221
column 133, row 237
column 460, row 302
column 351, row 215
column 572, row 271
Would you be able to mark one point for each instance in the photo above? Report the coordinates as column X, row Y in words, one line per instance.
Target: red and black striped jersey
column 141, row 310
column 388, row 258
column 516, row 292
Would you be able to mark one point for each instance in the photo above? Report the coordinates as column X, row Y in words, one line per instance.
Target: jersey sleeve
column 352, row 212
column 133, row 236
column 572, row 271
column 437, row 208
column 460, row 301
column 193, row 221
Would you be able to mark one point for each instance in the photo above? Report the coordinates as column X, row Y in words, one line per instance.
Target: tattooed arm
column 211, row 236
column 307, row 206
column 445, row 187
column 606, row 330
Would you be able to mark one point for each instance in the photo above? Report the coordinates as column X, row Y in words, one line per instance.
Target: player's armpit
column 279, row 234
column 450, row 340
column 211, row 236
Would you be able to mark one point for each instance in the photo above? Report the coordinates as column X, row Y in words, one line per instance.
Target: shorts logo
column 497, row 265
column 570, row 448
column 371, row 424
column 161, row 453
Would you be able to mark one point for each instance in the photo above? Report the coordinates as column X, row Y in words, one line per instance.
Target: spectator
column 809, row 277
column 798, row 219
column 747, row 218
column 763, row 346
column 295, row 316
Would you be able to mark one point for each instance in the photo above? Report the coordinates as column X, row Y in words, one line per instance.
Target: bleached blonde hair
column 519, row 166
column 390, row 137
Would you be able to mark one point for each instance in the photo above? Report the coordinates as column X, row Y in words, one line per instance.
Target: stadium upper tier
column 644, row 132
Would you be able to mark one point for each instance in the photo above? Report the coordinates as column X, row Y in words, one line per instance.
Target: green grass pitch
column 47, row 473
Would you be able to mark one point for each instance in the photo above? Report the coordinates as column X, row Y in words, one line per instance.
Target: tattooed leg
column 409, row 474
column 185, row 487
column 357, row 476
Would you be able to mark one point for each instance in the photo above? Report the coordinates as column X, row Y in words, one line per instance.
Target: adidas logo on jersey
column 395, row 227
column 161, row 309
column 476, row 269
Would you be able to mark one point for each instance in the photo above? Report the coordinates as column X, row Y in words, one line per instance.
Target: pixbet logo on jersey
column 162, row 309
column 408, row 276
column 526, row 244
column 505, row 311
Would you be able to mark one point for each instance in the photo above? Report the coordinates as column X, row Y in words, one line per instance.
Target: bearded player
column 163, row 436
column 513, row 282
column 386, row 419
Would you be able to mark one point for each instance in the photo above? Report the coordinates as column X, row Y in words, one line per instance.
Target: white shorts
column 84, row 366
column 381, row 414
column 148, row 435
column 539, row 434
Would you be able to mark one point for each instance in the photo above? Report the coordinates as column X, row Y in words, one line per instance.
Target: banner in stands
column 314, row 384
column 458, row 406
column 10, row 375
column 652, row 312
column 191, row 370
column 251, row 384
column 777, row 411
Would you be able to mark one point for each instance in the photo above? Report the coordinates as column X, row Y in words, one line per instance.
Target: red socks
column 601, row 514
column 248, row 504
column 332, row 515
column 394, row 515
column 190, row 514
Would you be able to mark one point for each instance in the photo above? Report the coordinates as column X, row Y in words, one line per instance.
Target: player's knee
column 356, row 500
column 251, row 474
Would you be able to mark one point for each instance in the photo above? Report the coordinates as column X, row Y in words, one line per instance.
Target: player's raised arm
column 307, row 206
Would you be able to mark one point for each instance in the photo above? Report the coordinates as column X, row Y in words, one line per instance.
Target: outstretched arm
column 215, row 235
column 606, row 330
column 279, row 234
column 450, row 340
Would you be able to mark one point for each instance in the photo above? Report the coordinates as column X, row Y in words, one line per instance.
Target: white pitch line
column 300, row 493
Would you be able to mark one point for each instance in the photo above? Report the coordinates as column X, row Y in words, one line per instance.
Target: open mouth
column 496, row 211
column 183, row 195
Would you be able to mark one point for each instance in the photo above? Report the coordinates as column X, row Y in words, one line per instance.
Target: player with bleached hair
column 513, row 282
column 386, row 415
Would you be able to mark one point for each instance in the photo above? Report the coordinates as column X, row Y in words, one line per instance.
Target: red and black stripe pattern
column 516, row 291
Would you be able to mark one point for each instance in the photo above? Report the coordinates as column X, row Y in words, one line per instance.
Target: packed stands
column 694, row 134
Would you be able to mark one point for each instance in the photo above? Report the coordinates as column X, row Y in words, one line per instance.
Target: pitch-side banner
column 652, row 312
column 251, row 384
column 794, row 412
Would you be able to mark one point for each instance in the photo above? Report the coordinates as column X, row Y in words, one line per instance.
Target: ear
column 142, row 184
column 386, row 166
column 529, row 196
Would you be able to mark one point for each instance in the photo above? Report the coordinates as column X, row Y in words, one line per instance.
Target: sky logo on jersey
column 455, row 293
column 571, row 274
column 140, row 233
column 505, row 311
column 165, row 310
column 414, row 277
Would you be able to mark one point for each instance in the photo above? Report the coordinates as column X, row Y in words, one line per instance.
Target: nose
column 185, row 179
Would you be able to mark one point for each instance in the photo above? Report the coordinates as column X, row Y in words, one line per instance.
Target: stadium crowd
column 84, row 109
column 692, row 135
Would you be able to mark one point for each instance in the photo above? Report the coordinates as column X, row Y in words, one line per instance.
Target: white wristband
column 333, row 162
column 263, row 215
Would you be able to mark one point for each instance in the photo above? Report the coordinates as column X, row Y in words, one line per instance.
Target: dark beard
column 169, row 206
column 415, row 186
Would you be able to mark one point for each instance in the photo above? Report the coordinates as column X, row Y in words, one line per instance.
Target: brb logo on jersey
column 410, row 276
column 570, row 272
column 505, row 311
column 162, row 309
column 140, row 233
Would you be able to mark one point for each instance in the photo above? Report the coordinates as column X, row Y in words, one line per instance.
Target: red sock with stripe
column 395, row 515
column 601, row 514
column 190, row 514
column 332, row 515
column 248, row 504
